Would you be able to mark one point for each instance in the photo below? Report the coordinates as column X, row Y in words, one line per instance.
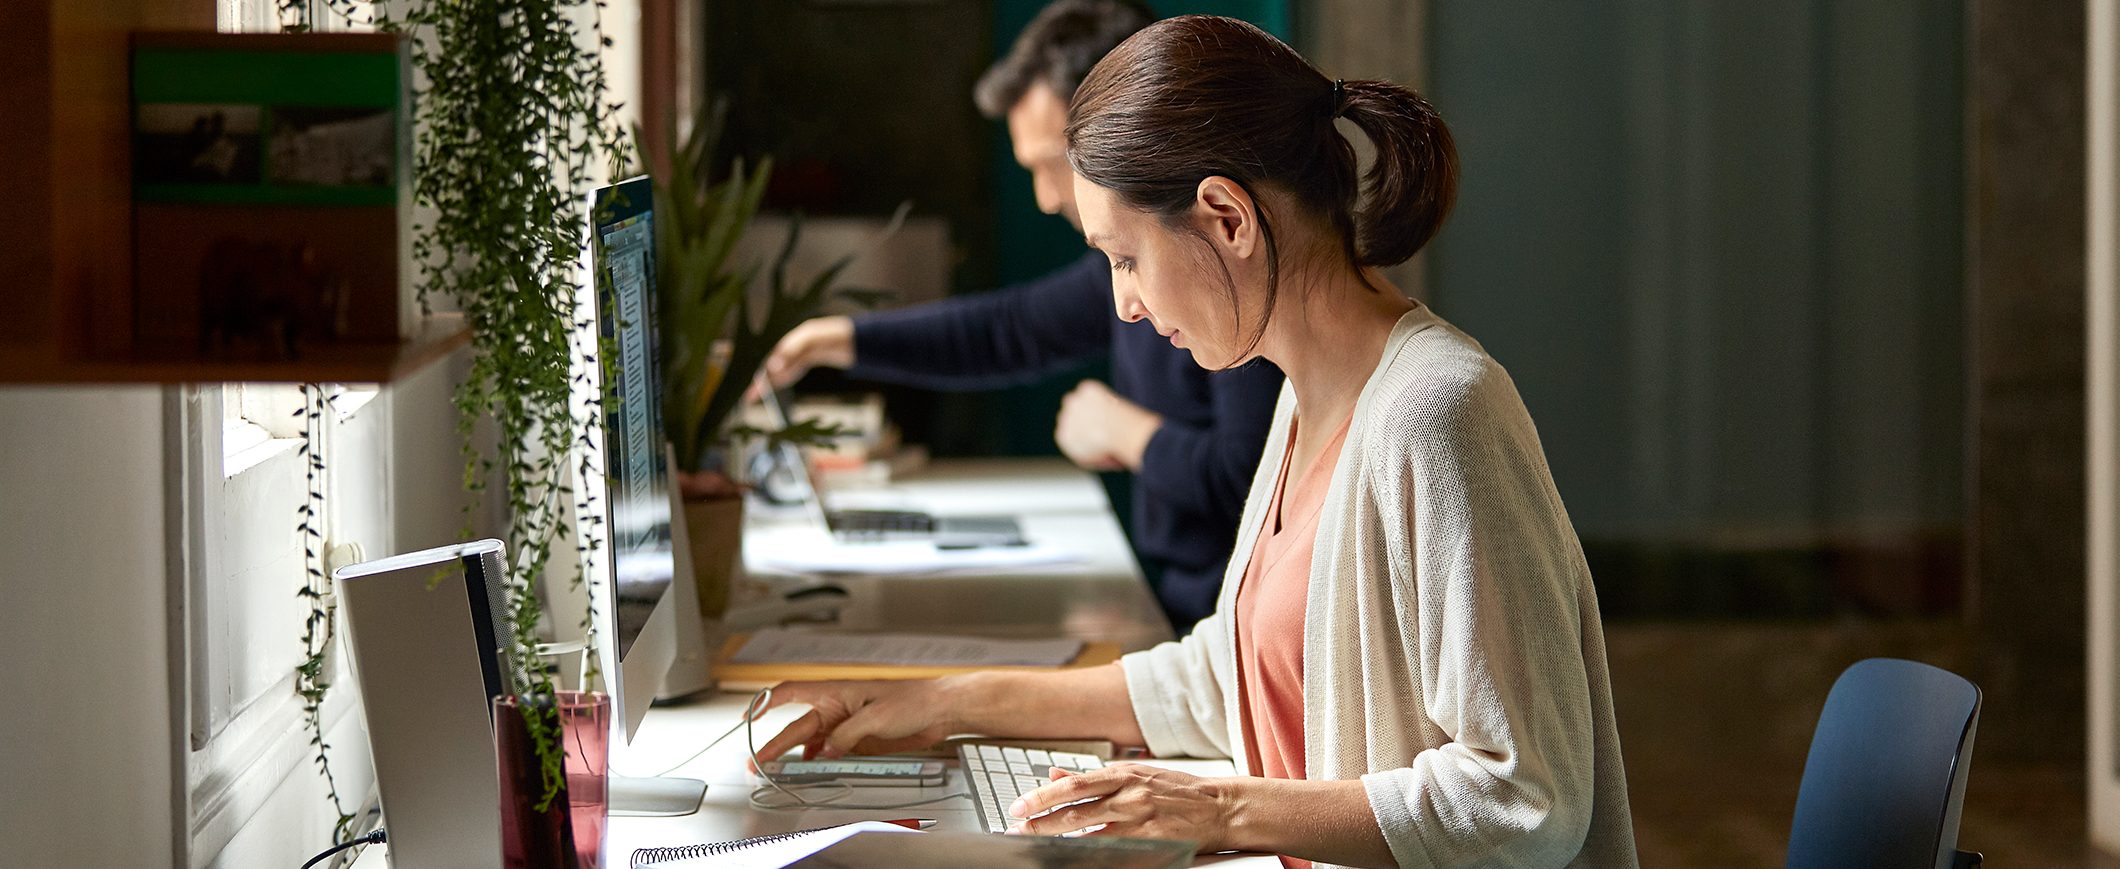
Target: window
column 258, row 421
column 251, row 763
column 254, row 793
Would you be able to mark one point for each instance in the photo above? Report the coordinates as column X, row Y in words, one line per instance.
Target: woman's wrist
column 964, row 702
column 952, row 698
column 1328, row 821
column 1246, row 804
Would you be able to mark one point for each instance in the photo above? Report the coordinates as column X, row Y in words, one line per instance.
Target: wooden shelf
column 379, row 363
column 67, row 301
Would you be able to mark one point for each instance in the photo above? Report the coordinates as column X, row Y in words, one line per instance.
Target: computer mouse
column 823, row 589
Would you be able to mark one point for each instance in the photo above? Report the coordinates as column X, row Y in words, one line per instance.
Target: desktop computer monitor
column 628, row 516
column 628, row 557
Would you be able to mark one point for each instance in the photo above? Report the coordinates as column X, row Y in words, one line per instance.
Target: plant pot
column 714, row 528
column 568, row 833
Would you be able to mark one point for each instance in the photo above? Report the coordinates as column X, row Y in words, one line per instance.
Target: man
column 1192, row 438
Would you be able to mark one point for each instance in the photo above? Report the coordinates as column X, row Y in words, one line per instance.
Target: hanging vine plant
column 312, row 681
column 512, row 125
column 312, row 678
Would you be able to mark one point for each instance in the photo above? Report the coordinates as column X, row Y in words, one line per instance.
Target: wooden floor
column 1715, row 721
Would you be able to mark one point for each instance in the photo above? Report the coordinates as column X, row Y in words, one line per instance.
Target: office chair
column 1885, row 779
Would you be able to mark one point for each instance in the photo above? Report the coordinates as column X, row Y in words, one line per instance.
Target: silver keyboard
column 998, row 774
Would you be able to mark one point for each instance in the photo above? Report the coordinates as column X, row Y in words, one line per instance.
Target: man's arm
column 1009, row 337
column 1208, row 468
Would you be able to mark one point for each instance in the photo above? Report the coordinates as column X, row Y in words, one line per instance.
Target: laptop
column 876, row 526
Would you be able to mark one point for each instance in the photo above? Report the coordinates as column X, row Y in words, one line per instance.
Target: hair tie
column 1339, row 97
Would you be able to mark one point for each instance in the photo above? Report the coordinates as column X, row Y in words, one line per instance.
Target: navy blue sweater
column 1197, row 468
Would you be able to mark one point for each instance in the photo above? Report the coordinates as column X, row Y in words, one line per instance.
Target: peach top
column 1270, row 606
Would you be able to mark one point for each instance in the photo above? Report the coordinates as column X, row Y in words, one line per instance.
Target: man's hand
column 826, row 341
column 1100, row 431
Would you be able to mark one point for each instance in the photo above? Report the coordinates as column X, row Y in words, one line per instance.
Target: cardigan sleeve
column 1176, row 690
column 1497, row 646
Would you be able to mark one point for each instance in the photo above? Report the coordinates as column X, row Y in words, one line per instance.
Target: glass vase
column 569, row 832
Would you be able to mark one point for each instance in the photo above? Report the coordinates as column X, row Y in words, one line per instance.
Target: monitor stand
column 655, row 797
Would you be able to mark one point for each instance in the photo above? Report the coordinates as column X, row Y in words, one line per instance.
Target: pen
column 913, row 823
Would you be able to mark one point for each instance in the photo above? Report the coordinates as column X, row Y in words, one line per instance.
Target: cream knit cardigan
column 1452, row 655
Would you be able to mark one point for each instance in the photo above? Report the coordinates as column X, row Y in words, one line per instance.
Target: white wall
column 395, row 485
column 96, row 766
column 92, row 750
column 85, row 742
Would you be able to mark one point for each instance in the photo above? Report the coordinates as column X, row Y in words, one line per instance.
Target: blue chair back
column 1885, row 779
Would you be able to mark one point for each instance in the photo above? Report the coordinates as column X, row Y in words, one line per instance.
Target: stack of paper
column 780, row 646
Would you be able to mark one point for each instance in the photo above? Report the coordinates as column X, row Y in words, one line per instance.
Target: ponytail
column 1409, row 190
column 1199, row 95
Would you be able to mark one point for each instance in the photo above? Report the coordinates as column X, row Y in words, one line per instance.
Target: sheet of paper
column 773, row 855
column 801, row 549
column 780, row 646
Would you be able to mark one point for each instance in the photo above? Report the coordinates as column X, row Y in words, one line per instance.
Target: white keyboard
column 998, row 774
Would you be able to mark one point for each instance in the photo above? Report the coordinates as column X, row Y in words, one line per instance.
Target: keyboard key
column 998, row 774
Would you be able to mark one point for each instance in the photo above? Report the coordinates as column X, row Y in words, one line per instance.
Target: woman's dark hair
column 1200, row 95
column 1058, row 48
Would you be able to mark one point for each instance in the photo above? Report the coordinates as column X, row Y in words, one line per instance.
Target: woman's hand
column 873, row 717
column 1131, row 799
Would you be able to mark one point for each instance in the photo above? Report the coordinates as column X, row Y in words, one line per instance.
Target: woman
column 1406, row 662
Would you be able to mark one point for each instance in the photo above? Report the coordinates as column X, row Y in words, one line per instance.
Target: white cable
column 554, row 650
column 710, row 744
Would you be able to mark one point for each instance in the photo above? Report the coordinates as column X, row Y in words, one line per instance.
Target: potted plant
column 714, row 339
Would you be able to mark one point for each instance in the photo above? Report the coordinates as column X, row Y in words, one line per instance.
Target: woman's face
column 1167, row 277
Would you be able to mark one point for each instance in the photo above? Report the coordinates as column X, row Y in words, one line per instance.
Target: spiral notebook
column 758, row 852
column 988, row 851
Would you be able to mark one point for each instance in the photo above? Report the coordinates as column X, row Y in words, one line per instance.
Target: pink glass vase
column 568, row 833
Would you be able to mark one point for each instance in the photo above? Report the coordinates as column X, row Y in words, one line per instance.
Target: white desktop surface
column 1100, row 598
column 951, row 487
column 671, row 733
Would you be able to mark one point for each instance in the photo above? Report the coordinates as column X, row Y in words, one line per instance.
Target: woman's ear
column 1228, row 214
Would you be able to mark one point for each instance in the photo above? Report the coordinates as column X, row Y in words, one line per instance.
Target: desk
column 673, row 732
column 1102, row 598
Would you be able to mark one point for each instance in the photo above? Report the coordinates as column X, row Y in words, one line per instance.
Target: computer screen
column 625, row 520
column 637, row 481
column 624, row 496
